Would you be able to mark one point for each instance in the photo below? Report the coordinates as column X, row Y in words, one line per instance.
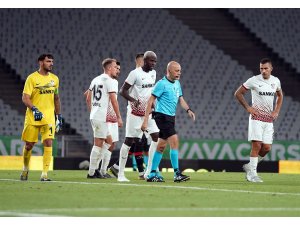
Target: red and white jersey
column 263, row 92
column 111, row 115
column 100, row 87
column 142, row 85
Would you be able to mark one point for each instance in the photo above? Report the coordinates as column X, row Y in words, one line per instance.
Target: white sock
column 253, row 165
column 94, row 157
column 116, row 166
column 260, row 158
column 44, row 174
column 105, row 161
column 123, row 158
column 152, row 149
column 25, row 168
column 141, row 173
column 104, row 148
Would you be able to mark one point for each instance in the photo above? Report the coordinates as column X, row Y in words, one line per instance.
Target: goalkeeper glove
column 38, row 116
column 59, row 122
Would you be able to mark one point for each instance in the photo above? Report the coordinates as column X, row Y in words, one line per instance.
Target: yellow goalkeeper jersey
column 41, row 90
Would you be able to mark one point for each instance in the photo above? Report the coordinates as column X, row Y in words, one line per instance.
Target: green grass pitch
column 208, row 194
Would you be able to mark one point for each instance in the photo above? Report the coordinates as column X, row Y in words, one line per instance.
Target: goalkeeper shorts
column 31, row 132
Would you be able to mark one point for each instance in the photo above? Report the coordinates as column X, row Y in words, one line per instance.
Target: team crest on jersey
column 273, row 86
column 50, row 84
column 45, row 89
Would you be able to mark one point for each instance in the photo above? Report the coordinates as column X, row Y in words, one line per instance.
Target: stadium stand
column 80, row 38
column 226, row 32
column 11, row 121
column 277, row 28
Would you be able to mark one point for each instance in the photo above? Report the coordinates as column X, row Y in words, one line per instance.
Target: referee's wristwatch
column 189, row 110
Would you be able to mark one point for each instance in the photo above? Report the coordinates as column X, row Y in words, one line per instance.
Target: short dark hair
column 107, row 62
column 265, row 60
column 43, row 56
column 139, row 55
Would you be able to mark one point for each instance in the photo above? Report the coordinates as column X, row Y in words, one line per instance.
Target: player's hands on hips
column 144, row 126
column 38, row 116
column 59, row 122
column 136, row 103
column 274, row 115
column 120, row 122
column 252, row 111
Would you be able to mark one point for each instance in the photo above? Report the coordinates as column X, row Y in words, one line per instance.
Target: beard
column 48, row 69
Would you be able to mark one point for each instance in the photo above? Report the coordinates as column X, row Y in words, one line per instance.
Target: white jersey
column 142, row 85
column 111, row 115
column 101, row 86
column 263, row 92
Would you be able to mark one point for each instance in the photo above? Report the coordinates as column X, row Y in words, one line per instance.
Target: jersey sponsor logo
column 147, row 85
column 43, row 89
column 47, row 91
column 266, row 93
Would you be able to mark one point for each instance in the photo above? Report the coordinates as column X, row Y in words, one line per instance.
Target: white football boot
column 255, row 179
column 247, row 169
column 122, row 178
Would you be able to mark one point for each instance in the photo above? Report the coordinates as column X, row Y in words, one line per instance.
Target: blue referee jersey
column 167, row 94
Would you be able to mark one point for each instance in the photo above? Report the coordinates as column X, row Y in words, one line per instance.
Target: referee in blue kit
column 167, row 92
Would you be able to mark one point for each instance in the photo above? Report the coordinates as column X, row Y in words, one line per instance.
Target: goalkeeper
column 40, row 96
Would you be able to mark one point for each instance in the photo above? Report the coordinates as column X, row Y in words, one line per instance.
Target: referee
column 167, row 92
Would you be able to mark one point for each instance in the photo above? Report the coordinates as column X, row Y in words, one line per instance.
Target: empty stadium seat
column 80, row 39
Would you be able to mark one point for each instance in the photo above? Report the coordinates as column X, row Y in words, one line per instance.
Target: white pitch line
column 165, row 186
column 166, row 209
column 28, row 214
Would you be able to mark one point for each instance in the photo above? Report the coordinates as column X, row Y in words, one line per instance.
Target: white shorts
column 260, row 131
column 113, row 130
column 100, row 129
column 134, row 123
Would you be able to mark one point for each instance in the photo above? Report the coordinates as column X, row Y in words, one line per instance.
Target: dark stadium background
column 218, row 50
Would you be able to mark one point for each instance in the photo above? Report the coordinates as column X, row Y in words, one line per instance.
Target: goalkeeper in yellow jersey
column 40, row 95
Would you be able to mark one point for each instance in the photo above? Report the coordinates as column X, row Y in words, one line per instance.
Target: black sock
column 140, row 162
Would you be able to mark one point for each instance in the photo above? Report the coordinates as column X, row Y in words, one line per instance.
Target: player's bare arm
column 59, row 119
column 115, row 105
column 186, row 107
column 239, row 94
column 27, row 101
column 88, row 99
column 124, row 91
column 147, row 113
column 85, row 93
column 278, row 104
column 57, row 104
